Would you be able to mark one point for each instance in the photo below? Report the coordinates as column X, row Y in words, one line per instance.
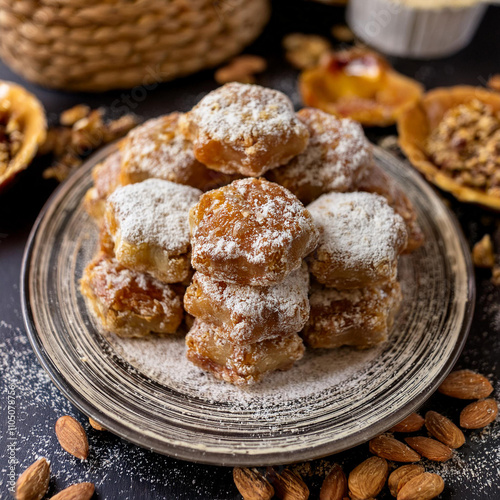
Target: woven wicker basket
column 96, row 45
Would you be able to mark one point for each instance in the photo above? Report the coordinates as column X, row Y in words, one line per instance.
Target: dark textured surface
column 29, row 402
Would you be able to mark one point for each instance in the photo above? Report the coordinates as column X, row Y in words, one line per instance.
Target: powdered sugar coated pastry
column 209, row 348
column 148, row 223
column 245, row 129
column 106, row 177
column 129, row 303
column 335, row 158
column 251, row 313
column 361, row 240
column 157, row 149
column 361, row 317
column 251, row 232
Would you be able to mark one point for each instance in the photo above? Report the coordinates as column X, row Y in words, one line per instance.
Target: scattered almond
column 252, row 484
column 33, row 483
column 483, row 254
column 386, row 446
column 412, row 423
column 479, row 414
column 241, row 69
column 80, row 491
column 288, row 485
column 444, row 430
column 402, row 475
column 334, row 486
column 368, row 478
column 72, row 437
column 466, row 384
column 422, row 487
column 96, row 425
column 430, row 448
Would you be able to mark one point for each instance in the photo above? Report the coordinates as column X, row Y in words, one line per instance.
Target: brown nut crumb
column 305, row 51
column 482, row 253
column 69, row 117
column 241, row 69
column 342, row 33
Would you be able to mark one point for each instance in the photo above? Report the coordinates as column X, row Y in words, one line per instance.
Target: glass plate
column 147, row 393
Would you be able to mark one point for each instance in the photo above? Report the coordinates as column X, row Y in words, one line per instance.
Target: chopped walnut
column 11, row 140
column 305, row 51
column 80, row 132
column 466, row 145
column 343, row 33
column 241, row 69
column 483, row 254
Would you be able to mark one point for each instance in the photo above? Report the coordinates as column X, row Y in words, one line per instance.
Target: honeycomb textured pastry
column 209, row 348
column 157, row 149
column 148, row 223
column 130, row 303
column 362, row 238
column 359, row 84
column 334, row 160
column 361, row 317
column 251, row 313
column 251, row 232
column 245, row 129
column 106, row 177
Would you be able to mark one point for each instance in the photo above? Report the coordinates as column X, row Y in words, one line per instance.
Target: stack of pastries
column 202, row 215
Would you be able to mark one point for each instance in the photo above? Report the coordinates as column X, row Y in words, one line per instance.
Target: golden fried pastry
column 375, row 180
column 244, row 129
column 130, row 303
column 157, row 149
column 361, row 317
column 451, row 136
column 251, row 232
column 148, row 223
column 106, row 177
column 209, row 348
column 251, row 313
column 359, row 84
column 361, row 240
column 335, row 158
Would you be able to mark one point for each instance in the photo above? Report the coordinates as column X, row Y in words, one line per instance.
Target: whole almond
column 412, row 423
column 444, row 430
column 422, row 487
column 252, row 484
column 466, row 384
column 430, row 448
column 80, row 491
column 368, row 478
column 386, row 446
column 33, row 483
column 402, row 475
column 72, row 437
column 96, row 425
column 334, row 486
column 288, row 485
column 479, row 414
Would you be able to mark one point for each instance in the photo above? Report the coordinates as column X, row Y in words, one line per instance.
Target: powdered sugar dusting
column 359, row 229
column 154, row 212
column 335, row 157
column 245, row 116
column 251, row 312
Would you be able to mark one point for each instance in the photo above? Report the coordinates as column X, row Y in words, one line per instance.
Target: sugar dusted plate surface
column 146, row 392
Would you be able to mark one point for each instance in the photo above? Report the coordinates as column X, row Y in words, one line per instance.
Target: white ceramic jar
column 415, row 28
